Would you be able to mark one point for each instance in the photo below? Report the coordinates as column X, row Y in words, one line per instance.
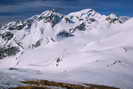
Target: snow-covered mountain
column 83, row 46
column 51, row 26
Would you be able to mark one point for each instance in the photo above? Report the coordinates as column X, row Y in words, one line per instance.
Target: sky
column 22, row 9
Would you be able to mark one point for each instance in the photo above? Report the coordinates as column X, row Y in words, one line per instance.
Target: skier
column 58, row 61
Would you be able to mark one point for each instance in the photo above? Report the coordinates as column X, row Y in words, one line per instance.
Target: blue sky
column 21, row 9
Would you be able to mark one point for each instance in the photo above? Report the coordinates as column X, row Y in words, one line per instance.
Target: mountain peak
column 83, row 13
column 51, row 25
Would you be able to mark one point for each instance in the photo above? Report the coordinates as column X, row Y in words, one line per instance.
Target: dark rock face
column 69, row 20
column 81, row 27
column 123, row 19
column 16, row 28
column 113, row 19
column 53, row 18
column 7, row 36
column 4, row 52
column 92, row 20
column 38, row 43
column 64, row 34
column 20, row 27
column 110, row 20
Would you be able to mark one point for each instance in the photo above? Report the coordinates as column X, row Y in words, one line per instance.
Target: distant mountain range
column 51, row 26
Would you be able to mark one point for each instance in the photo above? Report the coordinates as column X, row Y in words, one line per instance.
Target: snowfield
column 81, row 47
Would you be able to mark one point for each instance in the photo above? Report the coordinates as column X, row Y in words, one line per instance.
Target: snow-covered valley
column 81, row 47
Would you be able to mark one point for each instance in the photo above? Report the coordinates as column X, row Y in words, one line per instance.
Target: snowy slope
column 83, row 46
